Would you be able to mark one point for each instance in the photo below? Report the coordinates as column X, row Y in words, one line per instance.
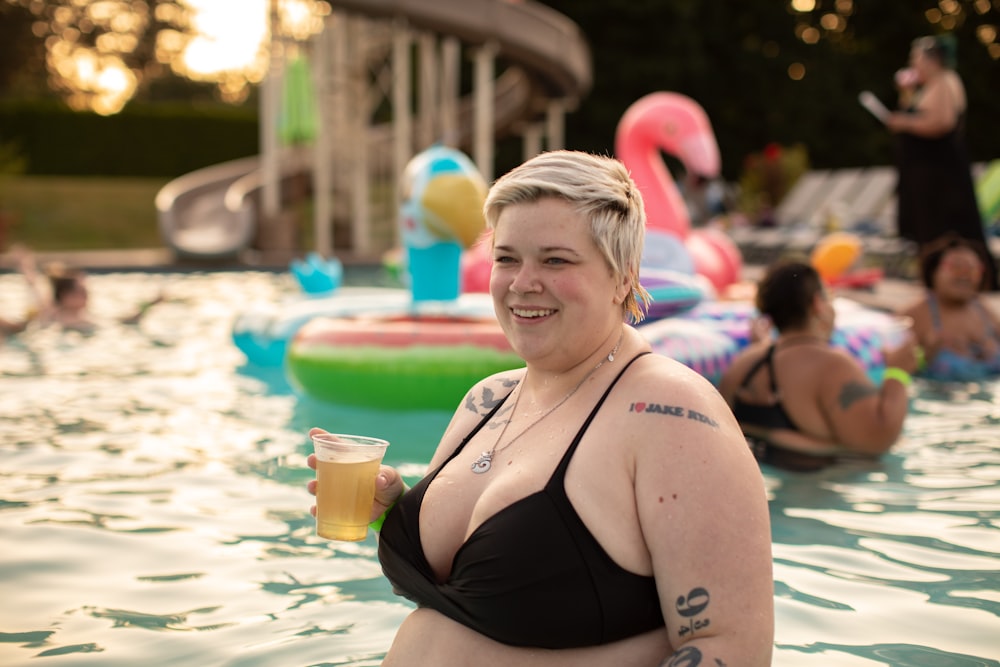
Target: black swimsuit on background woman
column 936, row 194
column 772, row 416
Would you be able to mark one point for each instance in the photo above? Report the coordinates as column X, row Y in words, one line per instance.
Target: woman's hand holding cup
column 388, row 483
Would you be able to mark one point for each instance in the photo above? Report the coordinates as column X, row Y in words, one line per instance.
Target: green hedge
column 162, row 140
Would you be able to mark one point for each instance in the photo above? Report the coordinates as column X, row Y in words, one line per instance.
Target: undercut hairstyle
column 600, row 189
column 786, row 292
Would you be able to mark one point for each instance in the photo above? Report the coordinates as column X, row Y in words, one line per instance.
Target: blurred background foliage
column 767, row 73
column 106, row 87
column 783, row 72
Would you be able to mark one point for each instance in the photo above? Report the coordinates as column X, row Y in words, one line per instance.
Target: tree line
column 734, row 59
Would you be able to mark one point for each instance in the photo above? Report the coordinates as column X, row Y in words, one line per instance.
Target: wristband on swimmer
column 376, row 525
column 897, row 374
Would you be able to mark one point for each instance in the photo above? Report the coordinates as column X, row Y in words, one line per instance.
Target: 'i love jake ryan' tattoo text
column 673, row 411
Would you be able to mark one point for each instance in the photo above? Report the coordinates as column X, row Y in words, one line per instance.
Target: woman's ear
column 818, row 300
column 625, row 287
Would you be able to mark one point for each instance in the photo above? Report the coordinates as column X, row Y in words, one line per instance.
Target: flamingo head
column 673, row 123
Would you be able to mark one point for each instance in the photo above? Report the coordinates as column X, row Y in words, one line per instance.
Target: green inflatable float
column 396, row 362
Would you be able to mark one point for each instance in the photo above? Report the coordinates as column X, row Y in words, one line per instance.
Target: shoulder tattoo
column 486, row 399
column 672, row 411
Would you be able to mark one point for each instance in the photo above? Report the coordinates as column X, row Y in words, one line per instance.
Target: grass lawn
column 67, row 214
column 53, row 213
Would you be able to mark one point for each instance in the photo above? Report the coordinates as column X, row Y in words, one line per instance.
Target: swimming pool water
column 153, row 509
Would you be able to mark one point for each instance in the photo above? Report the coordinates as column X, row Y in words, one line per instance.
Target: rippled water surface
column 153, row 510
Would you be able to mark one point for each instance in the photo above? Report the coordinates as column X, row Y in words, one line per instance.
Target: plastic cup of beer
column 346, row 467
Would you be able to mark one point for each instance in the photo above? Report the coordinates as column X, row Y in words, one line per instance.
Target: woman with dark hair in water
column 801, row 402
column 960, row 335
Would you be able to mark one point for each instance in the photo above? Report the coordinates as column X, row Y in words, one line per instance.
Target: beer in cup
column 346, row 466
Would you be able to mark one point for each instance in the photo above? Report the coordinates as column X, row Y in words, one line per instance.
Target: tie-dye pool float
column 714, row 331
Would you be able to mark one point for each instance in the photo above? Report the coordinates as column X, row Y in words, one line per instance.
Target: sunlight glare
column 229, row 34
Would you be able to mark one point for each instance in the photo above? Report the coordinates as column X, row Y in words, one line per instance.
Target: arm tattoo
column 853, row 392
column 689, row 607
column 688, row 656
column 673, row 411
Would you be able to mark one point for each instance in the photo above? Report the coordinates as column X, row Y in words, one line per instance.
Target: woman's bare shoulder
column 668, row 397
column 485, row 394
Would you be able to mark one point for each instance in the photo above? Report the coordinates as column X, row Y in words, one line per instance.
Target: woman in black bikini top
column 599, row 506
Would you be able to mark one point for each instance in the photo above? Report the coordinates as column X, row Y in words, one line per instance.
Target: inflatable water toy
column 715, row 256
column 677, row 125
column 441, row 215
column 316, row 275
column 731, row 318
column 428, row 354
column 862, row 331
column 672, row 292
column 477, row 263
column 262, row 333
column 836, row 256
column 397, row 361
column 695, row 344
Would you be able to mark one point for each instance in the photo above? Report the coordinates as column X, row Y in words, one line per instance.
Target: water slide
column 212, row 212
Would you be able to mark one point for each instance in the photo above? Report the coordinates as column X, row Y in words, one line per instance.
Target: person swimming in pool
column 801, row 402
column 959, row 333
column 64, row 301
column 598, row 506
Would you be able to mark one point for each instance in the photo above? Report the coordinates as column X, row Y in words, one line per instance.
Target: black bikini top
column 530, row 575
column 766, row 416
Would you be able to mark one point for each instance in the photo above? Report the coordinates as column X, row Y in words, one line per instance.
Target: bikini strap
column 977, row 304
column 478, row 428
column 768, row 359
column 560, row 471
column 770, row 369
column 932, row 306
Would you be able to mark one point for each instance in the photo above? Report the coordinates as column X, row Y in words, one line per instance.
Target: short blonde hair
column 598, row 188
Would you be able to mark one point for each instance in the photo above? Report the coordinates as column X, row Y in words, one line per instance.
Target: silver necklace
column 485, row 461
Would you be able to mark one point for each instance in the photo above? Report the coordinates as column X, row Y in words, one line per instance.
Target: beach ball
column 442, row 199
